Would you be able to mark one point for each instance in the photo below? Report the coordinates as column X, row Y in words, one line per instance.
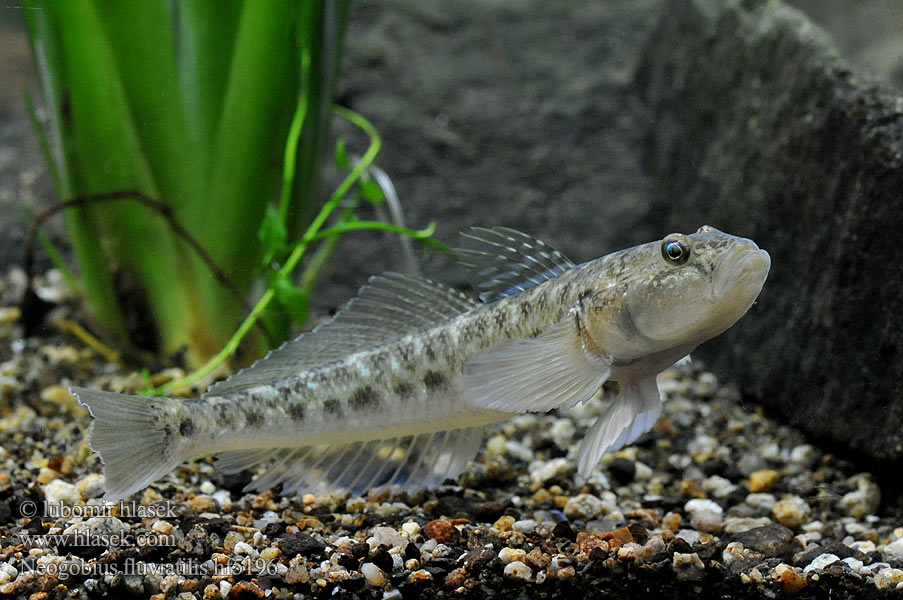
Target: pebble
column 762, row 501
column 509, row 555
column 790, row 578
column 562, row 432
column 888, row 578
column 689, row 567
column 441, row 530
column 373, row 574
column 518, row 570
column 584, row 506
column 762, row 480
column 542, row 471
column 61, row 492
column 386, row 535
column 504, row 523
column 791, row 511
column 820, row 562
column 524, row 525
column 163, row 527
column 90, row 486
column 893, row 550
column 98, row 526
column 864, row 500
column 705, row 515
column 770, row 540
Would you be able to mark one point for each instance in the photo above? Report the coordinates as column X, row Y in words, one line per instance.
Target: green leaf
column 272, row 233
column 341, row 154
column 292, row 298
column 371, row 191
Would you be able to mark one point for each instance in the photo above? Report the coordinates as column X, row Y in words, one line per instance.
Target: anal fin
column 409, row 462
column 632, row 413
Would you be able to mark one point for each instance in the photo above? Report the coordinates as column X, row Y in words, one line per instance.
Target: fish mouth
column 744, row 275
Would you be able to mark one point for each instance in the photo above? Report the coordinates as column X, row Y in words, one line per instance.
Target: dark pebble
column 218, row 526
column 770, row 540
column 411, row 551
column 382, row 559
column 347, row 561
column 680, row 545
column 437, row 571
column 70, row 545
column 488, row 510
column 476, row 559
column 622, row 470
column 352, row 583
column 274, row 530
column 196, row 542
column 6, row 512
column 563, row 530
column 267, row 582
column 300, row 543
column 455, row 506
column 639, row 533
column 233, row 482
column 360, row 550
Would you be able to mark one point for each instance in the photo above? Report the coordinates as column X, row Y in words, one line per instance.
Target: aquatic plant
column 218, row 110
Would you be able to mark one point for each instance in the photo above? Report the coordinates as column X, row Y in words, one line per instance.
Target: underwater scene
column 404, row 299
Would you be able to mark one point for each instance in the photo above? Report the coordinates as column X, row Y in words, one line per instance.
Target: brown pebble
column 456, row 578
column 790, row 579
column 246, row 589
column 762, row 480
column 587, row 541
column 201, row 503
column 441, row 530
column 632, row 533
column 690, row 488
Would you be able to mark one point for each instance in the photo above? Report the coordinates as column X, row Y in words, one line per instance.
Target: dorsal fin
column 388, row 307
column 503, row 262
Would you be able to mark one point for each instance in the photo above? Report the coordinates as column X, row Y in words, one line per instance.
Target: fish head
column 676, row 293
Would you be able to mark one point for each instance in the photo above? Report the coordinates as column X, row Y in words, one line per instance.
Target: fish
column 396, row 389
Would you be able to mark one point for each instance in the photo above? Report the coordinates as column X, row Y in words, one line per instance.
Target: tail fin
column 132, row 438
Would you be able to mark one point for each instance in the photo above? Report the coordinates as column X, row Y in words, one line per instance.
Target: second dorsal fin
column 389, row 306
column 502, row 262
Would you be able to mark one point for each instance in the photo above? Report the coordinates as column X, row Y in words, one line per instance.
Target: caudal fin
column 133, row 440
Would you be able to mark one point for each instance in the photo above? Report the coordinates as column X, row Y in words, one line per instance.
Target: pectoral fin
column 537, row 374
column 633, row 412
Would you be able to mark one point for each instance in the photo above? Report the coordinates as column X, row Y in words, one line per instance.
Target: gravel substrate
column 717, row 501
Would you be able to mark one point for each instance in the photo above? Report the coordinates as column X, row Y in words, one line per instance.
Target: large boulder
column 755, row 125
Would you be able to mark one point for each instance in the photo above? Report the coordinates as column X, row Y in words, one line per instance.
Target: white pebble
column 893, row 550
column 387, row 536
column 524, row 525
column 562, row 432
column 373, row 574
column 509, row 555
column 495, row 446
column 820, row 562
column 207, row 487
column 705, row 515
column 688, row 566
column 91, row 485
column 61, row 492
column 518, row 570
column 584, row 506
column 542, row 471
column 888, row 578
column 246, row 549
column 761, row 500
column 411, row 528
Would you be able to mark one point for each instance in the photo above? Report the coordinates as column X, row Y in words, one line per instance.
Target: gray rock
column 756, row 126
column 770, row 540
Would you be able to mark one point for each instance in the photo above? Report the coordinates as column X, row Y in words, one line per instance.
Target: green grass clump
column 220, row 110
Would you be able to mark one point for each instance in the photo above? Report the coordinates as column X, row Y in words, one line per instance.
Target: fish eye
column 675, row 251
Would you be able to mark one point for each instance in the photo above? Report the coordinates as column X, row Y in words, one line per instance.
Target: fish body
column 396, row 389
